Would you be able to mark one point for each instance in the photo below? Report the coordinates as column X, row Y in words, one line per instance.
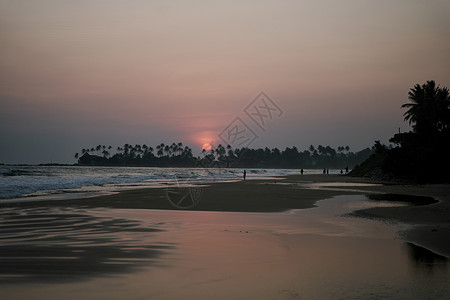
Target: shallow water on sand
column 150, row 254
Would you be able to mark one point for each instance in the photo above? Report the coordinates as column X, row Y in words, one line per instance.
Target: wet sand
column 431, row 220
column 42, row 245
column 110, row 253
column 251, row 239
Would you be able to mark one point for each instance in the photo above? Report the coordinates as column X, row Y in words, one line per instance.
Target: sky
column 76, row 74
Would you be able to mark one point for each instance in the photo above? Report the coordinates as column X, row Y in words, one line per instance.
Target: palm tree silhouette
column 160, row 149
column 167, row 150
column 428, row 112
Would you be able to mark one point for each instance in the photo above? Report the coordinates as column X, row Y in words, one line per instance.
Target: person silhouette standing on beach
column 245, row 174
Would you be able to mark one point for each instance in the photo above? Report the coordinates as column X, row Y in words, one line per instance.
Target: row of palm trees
column 222, row 151
column 97, row 150
column 290, row 157
column 177, row 154
column 175, row 149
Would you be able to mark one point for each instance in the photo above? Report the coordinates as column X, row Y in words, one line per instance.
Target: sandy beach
column 298, row 237
column 431, row 219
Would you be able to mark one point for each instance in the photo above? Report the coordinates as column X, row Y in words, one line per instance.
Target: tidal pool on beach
column 316, row 253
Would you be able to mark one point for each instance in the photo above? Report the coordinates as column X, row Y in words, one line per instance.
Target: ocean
column 29, row 183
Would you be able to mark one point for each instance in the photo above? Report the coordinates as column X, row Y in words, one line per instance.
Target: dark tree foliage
column 428, row 112
column 423, row 154
column 177, row 155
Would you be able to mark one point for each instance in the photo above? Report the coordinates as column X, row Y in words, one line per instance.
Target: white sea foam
column 32, row 181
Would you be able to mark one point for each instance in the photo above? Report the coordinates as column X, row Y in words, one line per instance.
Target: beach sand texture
column 135, row 245
column 432, row 221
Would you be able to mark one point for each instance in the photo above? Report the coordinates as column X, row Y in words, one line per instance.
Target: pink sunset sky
column 75, row 74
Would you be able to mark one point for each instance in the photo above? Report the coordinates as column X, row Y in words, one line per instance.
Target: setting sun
column 206, row 146
column 205, row 140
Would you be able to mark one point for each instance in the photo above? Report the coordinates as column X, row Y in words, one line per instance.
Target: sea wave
column 33, row 181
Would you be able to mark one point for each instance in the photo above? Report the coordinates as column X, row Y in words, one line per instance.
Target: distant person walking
column 301, row 171
column 346, row 170
column 324, row 171
column 245, row 174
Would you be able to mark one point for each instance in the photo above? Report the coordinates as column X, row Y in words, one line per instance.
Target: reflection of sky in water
column 305, row 254
column 40, row 244
column 332, row 186
column 425, row 258
column 336, row 184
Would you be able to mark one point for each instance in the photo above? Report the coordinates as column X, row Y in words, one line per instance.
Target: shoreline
column 430, row 224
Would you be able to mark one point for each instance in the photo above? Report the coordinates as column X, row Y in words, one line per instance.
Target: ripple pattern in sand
column 60, row 244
